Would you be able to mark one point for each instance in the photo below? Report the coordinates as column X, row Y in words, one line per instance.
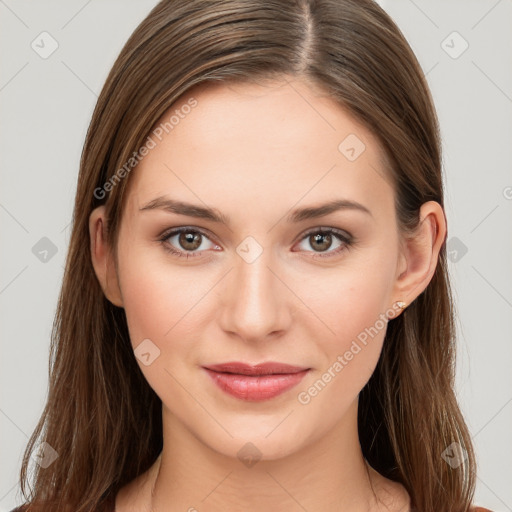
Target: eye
column 322, row 240
column 191, row 242
column 186, row 241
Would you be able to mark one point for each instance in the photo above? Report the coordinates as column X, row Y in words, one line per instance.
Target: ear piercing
column 401, row 305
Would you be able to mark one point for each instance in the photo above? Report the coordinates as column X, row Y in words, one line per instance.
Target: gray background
column 46, row 104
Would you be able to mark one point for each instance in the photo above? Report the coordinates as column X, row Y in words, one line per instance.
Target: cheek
column 150, row 301
column 348, row 300
column 158, row 300
column 355, row 306
column 350, row 355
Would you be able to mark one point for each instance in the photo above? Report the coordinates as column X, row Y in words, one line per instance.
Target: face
column 266, row 276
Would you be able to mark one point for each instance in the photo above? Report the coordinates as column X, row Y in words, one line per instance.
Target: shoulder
column 30, row 507
column 108, row 505
column 24, row 508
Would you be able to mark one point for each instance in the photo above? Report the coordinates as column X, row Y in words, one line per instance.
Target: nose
column 255, row 302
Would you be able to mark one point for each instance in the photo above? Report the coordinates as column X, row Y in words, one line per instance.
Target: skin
column 255, row 152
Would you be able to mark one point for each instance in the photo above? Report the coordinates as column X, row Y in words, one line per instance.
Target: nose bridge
column 254, row 304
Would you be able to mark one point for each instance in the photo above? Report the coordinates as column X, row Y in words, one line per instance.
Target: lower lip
column 255, row 388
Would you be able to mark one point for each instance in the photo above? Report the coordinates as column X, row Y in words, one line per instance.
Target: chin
column 267, row 438
column 250, row 449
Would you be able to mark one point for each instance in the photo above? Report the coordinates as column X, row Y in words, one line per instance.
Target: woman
column 256, row 311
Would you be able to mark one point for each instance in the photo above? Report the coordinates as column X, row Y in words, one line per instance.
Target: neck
column 326, row 475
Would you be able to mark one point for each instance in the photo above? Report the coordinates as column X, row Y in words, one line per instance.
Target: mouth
column 255, row 382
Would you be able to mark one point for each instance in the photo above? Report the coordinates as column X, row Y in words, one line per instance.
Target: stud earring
column 401, row 305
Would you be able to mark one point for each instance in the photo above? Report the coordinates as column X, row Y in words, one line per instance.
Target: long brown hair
column 102, row 417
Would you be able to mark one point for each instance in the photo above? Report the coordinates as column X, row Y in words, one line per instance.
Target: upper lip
column 268, row 368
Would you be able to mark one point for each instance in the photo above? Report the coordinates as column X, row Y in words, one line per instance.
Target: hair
column 101, row 416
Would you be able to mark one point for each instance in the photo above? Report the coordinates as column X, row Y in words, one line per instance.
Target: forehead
column 276, row 140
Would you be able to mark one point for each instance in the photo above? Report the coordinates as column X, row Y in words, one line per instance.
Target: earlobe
column 421, row 253
column 102, row 258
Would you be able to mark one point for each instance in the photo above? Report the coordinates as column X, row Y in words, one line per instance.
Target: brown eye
column 190, row 241
column 325, row 242
column 185, row 241
column 320, row 241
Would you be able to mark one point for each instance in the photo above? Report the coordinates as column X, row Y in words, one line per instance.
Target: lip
column 255, row 382
column 268, row 368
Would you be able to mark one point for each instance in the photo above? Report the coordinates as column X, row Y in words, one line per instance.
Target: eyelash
column 346, row 240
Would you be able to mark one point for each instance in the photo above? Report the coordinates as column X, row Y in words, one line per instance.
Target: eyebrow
column 297, row 215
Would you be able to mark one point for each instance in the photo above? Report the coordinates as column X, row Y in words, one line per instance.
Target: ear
column 102, row 257
column 420, row 253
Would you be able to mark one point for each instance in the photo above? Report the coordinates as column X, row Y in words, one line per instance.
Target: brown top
column 108, row 505
column 22, row 508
